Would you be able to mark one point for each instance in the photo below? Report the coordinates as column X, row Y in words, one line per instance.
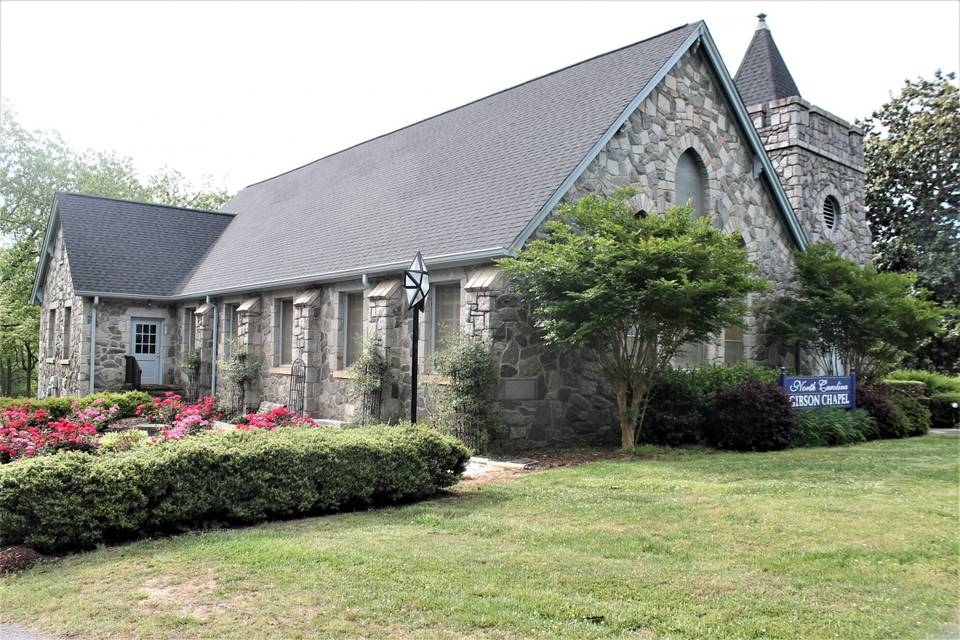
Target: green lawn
column 856, row 542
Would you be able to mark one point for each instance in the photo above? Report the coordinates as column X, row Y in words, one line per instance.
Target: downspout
column 93, row 341
column 213, row 350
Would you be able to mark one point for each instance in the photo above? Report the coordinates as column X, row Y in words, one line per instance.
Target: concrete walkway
column 945, row 432
column 16, row 632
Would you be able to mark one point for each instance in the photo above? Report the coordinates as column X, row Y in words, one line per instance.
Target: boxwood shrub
column 935, row 382
column 127, row 403
column 830, row 426
column 753, row 416
column 682, row 402
column 74, row 500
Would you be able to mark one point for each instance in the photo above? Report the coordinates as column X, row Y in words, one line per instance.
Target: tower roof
column 763, row 75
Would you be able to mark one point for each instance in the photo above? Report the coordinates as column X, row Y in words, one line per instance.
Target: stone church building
column 300, row 267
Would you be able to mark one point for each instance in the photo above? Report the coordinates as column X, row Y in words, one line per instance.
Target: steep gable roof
column 763, row 75
column 135, row 248
column 467, row 180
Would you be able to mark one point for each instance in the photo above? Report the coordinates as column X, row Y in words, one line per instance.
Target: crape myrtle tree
column 630, row 289
column 836, row 307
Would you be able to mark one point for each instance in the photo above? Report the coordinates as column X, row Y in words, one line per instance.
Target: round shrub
column 889, row 422
column 830, row 426
column 117, row 441
column 752, row 416
column 917, row 416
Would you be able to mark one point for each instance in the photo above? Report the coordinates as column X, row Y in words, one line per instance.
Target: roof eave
column 446, row 261
column 36, row 296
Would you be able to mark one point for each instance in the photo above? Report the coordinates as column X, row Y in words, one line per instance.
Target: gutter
column 93, row 342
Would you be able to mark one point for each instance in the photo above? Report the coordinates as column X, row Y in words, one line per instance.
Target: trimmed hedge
column 127, row 403
column 830, row 426
column 73, row 500
column 943, row 413
column 935, row 382
column 682, row 402
column 753, row 416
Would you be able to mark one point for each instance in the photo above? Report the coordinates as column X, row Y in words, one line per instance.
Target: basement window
column 831, row 212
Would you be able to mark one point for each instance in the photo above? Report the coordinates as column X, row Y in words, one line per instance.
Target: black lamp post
column 416, row 284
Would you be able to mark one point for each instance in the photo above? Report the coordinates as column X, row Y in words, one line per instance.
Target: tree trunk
column 627, row 419
column 7, row 366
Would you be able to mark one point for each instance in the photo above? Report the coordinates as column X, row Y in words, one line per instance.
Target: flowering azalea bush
column 96, row 413
column 25, row 433
column 279, row 417
column 161, row 410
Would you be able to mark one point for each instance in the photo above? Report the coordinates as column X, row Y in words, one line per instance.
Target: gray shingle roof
column 763, row 75
column 465, row 180
column 118, row 246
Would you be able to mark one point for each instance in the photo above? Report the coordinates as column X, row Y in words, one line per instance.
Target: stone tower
column 818, row 156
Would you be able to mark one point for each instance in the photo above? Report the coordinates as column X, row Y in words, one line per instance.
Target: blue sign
column 814, row 392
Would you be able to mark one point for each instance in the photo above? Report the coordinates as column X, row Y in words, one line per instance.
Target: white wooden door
column 146, row 337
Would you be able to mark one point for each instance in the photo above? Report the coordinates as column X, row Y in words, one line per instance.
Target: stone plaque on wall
column 521, row 389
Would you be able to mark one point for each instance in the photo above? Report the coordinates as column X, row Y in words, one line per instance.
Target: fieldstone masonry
column 818, row 155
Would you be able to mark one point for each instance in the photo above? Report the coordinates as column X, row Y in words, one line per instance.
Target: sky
column 242, row 91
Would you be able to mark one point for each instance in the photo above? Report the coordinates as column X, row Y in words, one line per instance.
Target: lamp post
column 416, row 284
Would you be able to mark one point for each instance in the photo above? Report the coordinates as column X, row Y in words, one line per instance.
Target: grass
column 854, row 542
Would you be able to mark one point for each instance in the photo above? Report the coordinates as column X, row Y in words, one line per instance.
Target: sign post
column 416, row 284
column 815, row 392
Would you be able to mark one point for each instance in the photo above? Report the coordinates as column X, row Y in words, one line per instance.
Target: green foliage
column 912, row 158
column 935, row 382
column 369, row 374
column 752, row 416
column 870, row 319
column 75, row 500
column 237, row 370
column 830, row 426
column 888, row 420
column 916, row 416
column 466, row 407
column 630, row 290
column 60, row 407
column 945, row 410
column 682, row 401
column 191, row 360
column 117, row 441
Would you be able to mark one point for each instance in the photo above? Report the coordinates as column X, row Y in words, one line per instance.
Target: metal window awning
column 485, row 278
column 202, row 309
column 250, row 304
column 309, row 298
column 384, row 289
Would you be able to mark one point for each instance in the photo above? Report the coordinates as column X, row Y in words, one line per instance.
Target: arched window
column 691, row 182
column 831, row 212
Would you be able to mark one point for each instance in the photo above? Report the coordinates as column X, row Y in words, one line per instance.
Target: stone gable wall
column 71, row 369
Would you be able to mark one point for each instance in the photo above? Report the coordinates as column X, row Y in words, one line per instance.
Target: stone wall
column 114, row 326
column 818, row 155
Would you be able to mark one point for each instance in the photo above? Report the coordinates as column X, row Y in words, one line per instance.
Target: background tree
column 630, row 290
column 867, row 318
column 34, row 165
column 912, row 155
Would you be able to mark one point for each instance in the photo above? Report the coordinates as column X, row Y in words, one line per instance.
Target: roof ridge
column 467, row 104
column 141, row 202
